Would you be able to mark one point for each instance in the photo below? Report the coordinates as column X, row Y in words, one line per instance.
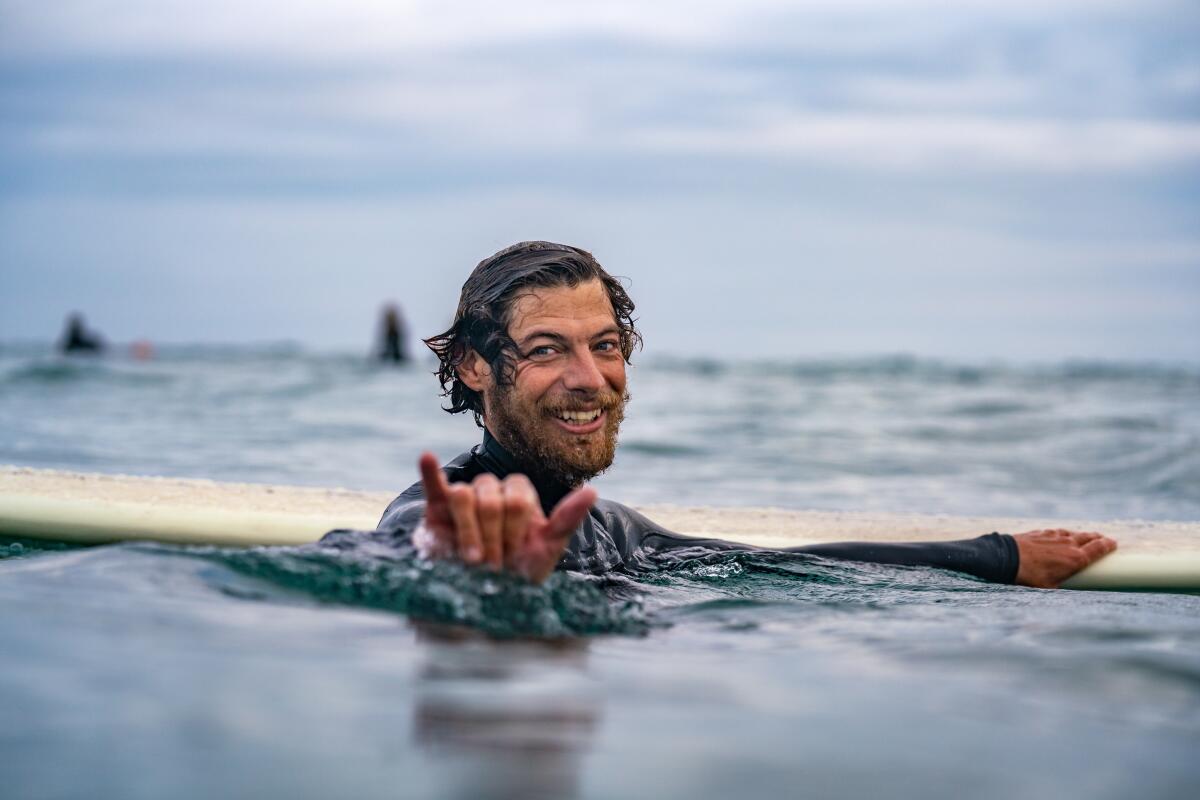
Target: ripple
column 498, row 604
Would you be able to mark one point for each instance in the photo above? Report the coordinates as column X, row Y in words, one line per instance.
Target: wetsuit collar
column 497, row 460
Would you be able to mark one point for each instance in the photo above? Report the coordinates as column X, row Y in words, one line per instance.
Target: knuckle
column 512, row 495
column 519, row 490
column 518, row 481
column 488, row 507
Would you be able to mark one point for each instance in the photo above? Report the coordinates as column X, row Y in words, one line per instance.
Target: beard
column 528, row 430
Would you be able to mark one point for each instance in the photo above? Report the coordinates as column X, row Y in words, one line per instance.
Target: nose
column 583, row 373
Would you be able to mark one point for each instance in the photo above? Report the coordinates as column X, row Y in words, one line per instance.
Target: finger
column 1082, row 538
column 1098, row 548
column 436, row 488
column 432, row 478
column 1044, row 534
column 569, row 512
column 546, row 541
column 489, row 513
column 466, row 526
column 520, row 503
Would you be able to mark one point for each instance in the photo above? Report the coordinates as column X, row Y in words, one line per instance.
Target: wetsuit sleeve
column 405, row 511
column 394, row 531
column 992, row 557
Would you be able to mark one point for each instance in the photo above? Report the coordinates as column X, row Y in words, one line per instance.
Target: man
column 393, row 336
column 537, row 353
column 77, row 339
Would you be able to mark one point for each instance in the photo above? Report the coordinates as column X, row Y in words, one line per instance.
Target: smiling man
column 537, row 352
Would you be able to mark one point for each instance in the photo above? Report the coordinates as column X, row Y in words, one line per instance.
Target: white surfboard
column 88, row 508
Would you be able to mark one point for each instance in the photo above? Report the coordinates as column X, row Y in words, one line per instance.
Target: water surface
column 1076, row 440
column 144, row 671
column 147, row 670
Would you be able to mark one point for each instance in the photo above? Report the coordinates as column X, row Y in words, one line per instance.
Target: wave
column 936, row 370
column 443, row 592
column 13, row 547
column 55, row 371
column 653, row 592
column 41, row 361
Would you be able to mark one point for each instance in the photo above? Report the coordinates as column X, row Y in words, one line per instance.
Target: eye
column 541, row 351
column 607, row 346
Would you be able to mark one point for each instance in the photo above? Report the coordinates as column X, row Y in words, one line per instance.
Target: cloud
column 366, row 27
column 840, row 174
column 919, row 142
column 1072, row 87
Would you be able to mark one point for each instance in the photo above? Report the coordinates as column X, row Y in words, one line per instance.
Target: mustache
column 605, row 400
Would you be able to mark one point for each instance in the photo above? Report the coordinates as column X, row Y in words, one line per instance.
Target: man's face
column 567, row 399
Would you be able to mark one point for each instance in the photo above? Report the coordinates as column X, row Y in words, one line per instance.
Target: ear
column 474, row 371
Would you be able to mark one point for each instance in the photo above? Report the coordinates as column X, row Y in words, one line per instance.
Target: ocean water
column 1092, row 440
column 143, row 671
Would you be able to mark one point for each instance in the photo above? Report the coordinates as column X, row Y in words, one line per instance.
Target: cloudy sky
column 969, row 180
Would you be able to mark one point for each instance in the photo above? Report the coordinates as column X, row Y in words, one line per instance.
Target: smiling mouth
column 580, row 421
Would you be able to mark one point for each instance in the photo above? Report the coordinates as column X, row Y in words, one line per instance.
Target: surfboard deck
column 91, row 508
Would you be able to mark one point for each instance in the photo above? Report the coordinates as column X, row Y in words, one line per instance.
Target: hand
column 1047, row 558
column 496, row 523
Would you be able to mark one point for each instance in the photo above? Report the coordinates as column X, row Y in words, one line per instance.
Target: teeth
column 578, row 416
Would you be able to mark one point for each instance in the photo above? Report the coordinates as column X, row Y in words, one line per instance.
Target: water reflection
column 504, row 718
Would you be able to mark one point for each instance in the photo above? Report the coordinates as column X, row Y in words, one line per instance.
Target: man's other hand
column 1049, row 557
column 497, row 523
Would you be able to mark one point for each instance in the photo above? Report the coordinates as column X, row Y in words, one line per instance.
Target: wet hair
column 485, row 313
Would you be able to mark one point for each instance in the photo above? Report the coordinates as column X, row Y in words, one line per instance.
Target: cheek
column 615, row 375
column 533, row 381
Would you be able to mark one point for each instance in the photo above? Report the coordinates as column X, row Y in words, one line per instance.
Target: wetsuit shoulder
column 399, row 512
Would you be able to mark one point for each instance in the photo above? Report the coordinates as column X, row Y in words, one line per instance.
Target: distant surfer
column 393, row 337
column 77, row 339
column 537, row 353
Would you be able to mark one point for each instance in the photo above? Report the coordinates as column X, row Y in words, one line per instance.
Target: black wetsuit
column 393, row 346
column 78, row 340
column 614, row 536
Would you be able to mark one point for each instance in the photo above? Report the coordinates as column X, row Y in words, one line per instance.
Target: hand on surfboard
column 497, row 523
column 1049, row 557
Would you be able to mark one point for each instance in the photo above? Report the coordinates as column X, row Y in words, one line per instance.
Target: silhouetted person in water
column 392, row 342
column 77, row 339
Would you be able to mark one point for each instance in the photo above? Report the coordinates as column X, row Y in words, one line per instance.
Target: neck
column 500, row 461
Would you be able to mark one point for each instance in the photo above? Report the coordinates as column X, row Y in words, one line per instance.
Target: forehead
column 562, row 309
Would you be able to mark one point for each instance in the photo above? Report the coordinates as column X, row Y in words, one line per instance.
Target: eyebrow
column 558, row 337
